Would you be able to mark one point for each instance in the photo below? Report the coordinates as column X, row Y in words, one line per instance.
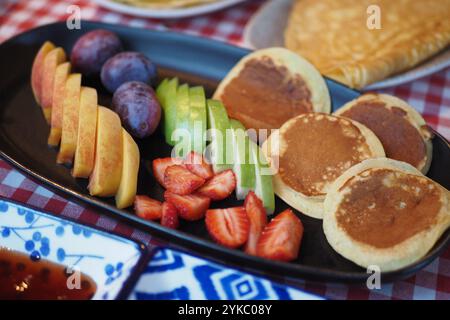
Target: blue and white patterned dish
column 108, row 259
column 172, row 274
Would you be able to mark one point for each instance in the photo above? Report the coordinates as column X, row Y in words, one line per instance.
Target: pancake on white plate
column 270, row 86
column 386, row 213
column 401, row 129
column 359, row 42
column 310, row 151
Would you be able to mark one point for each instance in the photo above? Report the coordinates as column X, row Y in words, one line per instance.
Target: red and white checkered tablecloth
column 430, row 96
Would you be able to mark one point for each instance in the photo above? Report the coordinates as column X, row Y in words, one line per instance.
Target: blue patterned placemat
column 173, row 274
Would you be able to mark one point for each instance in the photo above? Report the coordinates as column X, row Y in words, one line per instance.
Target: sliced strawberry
column 147, row 208
column 197, row 165
column 189, row 207
column 160, row 165
column 180, row 180
column 258, row 219
column 228, row 227
column 281, row 238
column 169, row 217
column 220, row 186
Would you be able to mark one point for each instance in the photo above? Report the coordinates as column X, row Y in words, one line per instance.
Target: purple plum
column 92, row 50
column 137, row 106
column 125, row 67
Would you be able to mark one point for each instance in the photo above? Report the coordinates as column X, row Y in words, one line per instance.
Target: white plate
column 266, row 29
column 167, row 13
column 108, row 259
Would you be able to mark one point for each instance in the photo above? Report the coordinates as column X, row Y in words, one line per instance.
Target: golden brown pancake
column 311, row 151
column 385, row 212
column 271, row 86
column 344, row 41
column 401, row 129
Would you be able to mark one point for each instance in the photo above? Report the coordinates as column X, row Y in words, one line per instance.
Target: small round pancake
column 386, row 213
column 311, row 151
column 270, row 86
column 400, row 128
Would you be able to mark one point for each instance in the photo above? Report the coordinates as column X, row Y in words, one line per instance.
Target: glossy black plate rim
column 215, row 252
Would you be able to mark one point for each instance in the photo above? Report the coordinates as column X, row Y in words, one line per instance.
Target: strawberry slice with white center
column 281, row 238
column 228, row 227
column 160, row 165
column 189, row 207
column 180, row 180
column 257, row 217
column 147, row 208
column 197, row 164
column 220, row 186
column 169, row 216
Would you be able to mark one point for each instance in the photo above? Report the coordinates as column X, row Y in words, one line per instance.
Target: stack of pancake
column 362, row 169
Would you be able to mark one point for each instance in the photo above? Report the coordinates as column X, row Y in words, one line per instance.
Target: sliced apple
column 170, row 109
column 71, row 107
column 54, row 58
column 87, row 126
column 243, row 168
column 197, row 103
column 105, row 178
column 263, row 178
column 128, row 183
column 221, row 147
column 59, row 86
column 161, row 92
column 36, row 70
column 181, row 135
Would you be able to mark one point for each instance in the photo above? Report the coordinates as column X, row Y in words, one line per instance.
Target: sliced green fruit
column 198, row 121
column 243, row 168
column 182, row 131
column 170, row 109
column 263, row 178
column 161, row 92
column 221, row 147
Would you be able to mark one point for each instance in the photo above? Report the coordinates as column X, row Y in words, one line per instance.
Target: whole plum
column 137, row 106
column 92, row 50
column 125, row 67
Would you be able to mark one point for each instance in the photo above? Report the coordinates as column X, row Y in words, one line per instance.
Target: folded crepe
column 334, row 35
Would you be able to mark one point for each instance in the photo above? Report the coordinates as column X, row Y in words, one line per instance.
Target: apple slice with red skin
column 54, row 58
column 36, row 70
column 71, row 108
column 59, row 87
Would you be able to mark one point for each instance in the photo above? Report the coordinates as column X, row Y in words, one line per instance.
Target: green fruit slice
column 161, row 92
column 198, row 121
column 263, row 178
column 170, row 109
column 243, row 168
column 182, row 131
column 221, row 147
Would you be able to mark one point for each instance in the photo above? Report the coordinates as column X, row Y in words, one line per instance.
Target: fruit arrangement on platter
column 191, row 185
column 361, row 169
column 90, row 137
column 98, row 143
